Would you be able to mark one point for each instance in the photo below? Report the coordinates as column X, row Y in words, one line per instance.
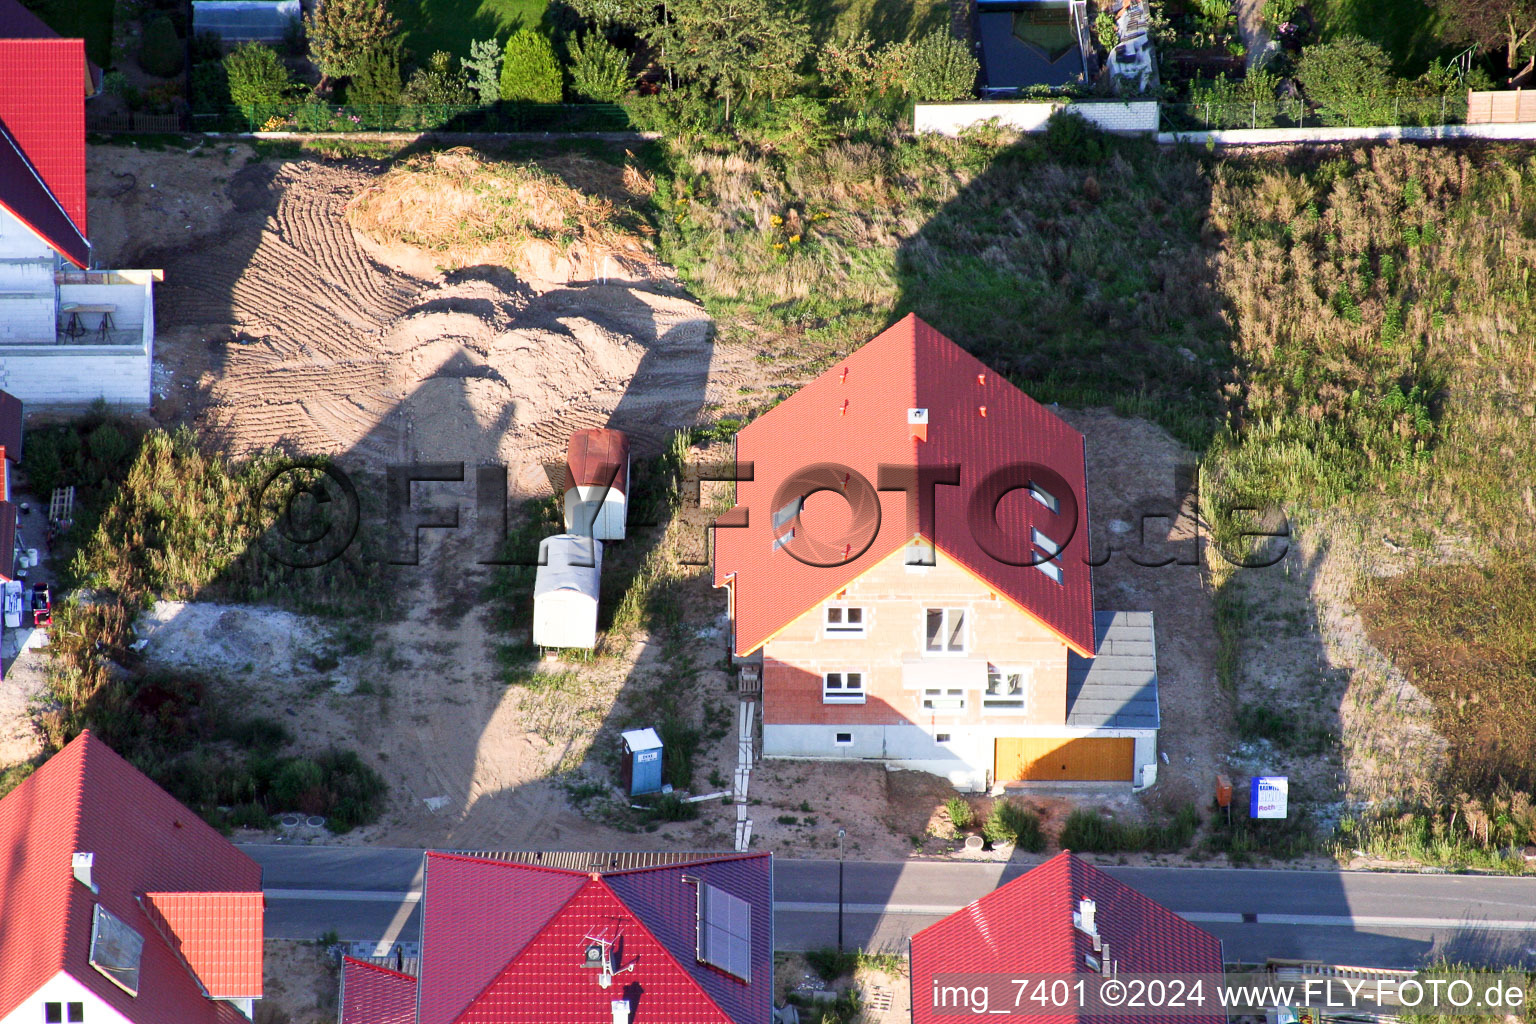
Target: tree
column 484, row 69
column 530, row 71
column 343, row 34
column 599, row 70
column 942, row 68
column 440, row 82
column 375, row 78
column 257, row 76
column 1349, row 79
column 733, row 47
column 160, row 53
column 1495, row 24
column 610, row 15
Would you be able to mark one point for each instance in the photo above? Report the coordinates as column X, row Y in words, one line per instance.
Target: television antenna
column 599, row 954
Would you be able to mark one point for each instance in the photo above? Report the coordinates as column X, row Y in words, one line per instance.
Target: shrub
column 440, row 81
column 1105, row 30
column 1072, row 140
column 830, row 963
column 599, row 70
column 671, row 807
column 257, row 76
column 1012, row 822
column 960, row 813
column 210, row 86
column 299, row 786
column 1349, row 79
column 376, row 78
column 530, row 71
column 354, row 791
column 160, row 52
column 680, row 740
column 797, row 125
column 484, row 69
column 1089, row 831
column 207, row 47
column 941, row 68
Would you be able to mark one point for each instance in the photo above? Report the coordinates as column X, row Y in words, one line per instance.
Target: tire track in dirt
column 287, row 329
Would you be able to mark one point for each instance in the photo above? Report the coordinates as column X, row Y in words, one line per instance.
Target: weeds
column 1012, row 822
column 1090, row 831
column 961, row 815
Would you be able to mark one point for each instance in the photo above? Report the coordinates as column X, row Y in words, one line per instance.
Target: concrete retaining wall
column 70, row 376
column 1293, row 136
column 1031, row 115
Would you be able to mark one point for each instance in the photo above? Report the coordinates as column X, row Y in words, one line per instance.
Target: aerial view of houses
column 764, row 513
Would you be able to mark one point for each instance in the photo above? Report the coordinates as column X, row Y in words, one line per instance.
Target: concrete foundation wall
column 965, row 759
column 76, row 375
column 1031, row 115
column 1284, row 136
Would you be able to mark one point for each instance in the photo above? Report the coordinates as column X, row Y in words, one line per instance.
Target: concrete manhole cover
column 290, row 821
column 314, row 821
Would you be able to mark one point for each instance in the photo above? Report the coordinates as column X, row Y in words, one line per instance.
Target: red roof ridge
column 713, row 859
column 390, row 971
column 472, row 859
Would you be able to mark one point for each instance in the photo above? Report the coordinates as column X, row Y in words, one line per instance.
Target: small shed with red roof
column 1063, row 919
column 909, row 557
column 506, row 942
column 120, row 903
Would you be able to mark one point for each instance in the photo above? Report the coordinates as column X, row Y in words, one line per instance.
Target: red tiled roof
column 16, row 22
column 1026, row 927
column 42, row 140
column 546, row 984
column 598, row 456
column 371, row 994
column 88, row 799
column 504, row 942
column 856, row 416
column 218, row 934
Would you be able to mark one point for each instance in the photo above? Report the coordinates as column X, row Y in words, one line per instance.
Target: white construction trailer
column 565, row 591
column 597, row 483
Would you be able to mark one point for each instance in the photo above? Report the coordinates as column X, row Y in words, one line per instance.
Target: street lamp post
column 841, row 834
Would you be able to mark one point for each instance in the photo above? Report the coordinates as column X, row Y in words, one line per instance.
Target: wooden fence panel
column 1504, row 107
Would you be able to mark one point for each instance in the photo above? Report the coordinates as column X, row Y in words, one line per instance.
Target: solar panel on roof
column 725, row 932
column 115, row 950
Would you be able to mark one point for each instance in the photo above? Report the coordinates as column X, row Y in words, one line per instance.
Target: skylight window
column 725, row 932
column 115, row 950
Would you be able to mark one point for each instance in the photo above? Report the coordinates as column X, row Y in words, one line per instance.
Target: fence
column 1450, row 108
column 498, row 117
column 1500, row 107
column 132, row 122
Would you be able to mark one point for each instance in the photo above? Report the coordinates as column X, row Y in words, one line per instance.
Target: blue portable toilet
column 642, row 762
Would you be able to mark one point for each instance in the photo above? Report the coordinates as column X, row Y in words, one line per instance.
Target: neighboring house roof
column 42, row 140
column 1018, row 51
column 1116, row 689
column 10, row 425
column 9, row 513
column 371, row 994
column 1026, row 928
column 87, row 799
column 16, row 22
column 218, row 934
column 857, row 415
column 504, row 941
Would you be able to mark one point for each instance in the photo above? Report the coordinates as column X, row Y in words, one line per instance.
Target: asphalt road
column 1380, row 920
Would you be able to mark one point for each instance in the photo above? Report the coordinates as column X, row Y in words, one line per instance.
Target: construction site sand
column 287, row 328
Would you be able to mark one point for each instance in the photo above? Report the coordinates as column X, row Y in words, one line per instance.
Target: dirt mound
column 288, row 328
column 467, row 211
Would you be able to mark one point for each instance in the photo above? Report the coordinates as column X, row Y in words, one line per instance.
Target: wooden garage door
column 1047, row 759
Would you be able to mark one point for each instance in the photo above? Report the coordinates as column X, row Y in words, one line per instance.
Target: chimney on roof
column 1086, row 916
column 82, row 863
column 620, row 1011
column 983, row 410
column 917, row 420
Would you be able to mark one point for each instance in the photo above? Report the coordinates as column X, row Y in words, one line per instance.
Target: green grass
column 1089, row 831
column 887, row 21
column 1409, row 30
column 90, row 20
column 451, row 25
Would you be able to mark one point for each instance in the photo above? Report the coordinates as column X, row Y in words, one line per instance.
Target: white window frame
column 843, row 630
column 989, row 701
column 838, row 741
column 953, row 699
column 946, row 630
column 843, row 694
column 943, row 737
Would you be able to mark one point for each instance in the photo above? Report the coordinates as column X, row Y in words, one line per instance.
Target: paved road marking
column 942, row 910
